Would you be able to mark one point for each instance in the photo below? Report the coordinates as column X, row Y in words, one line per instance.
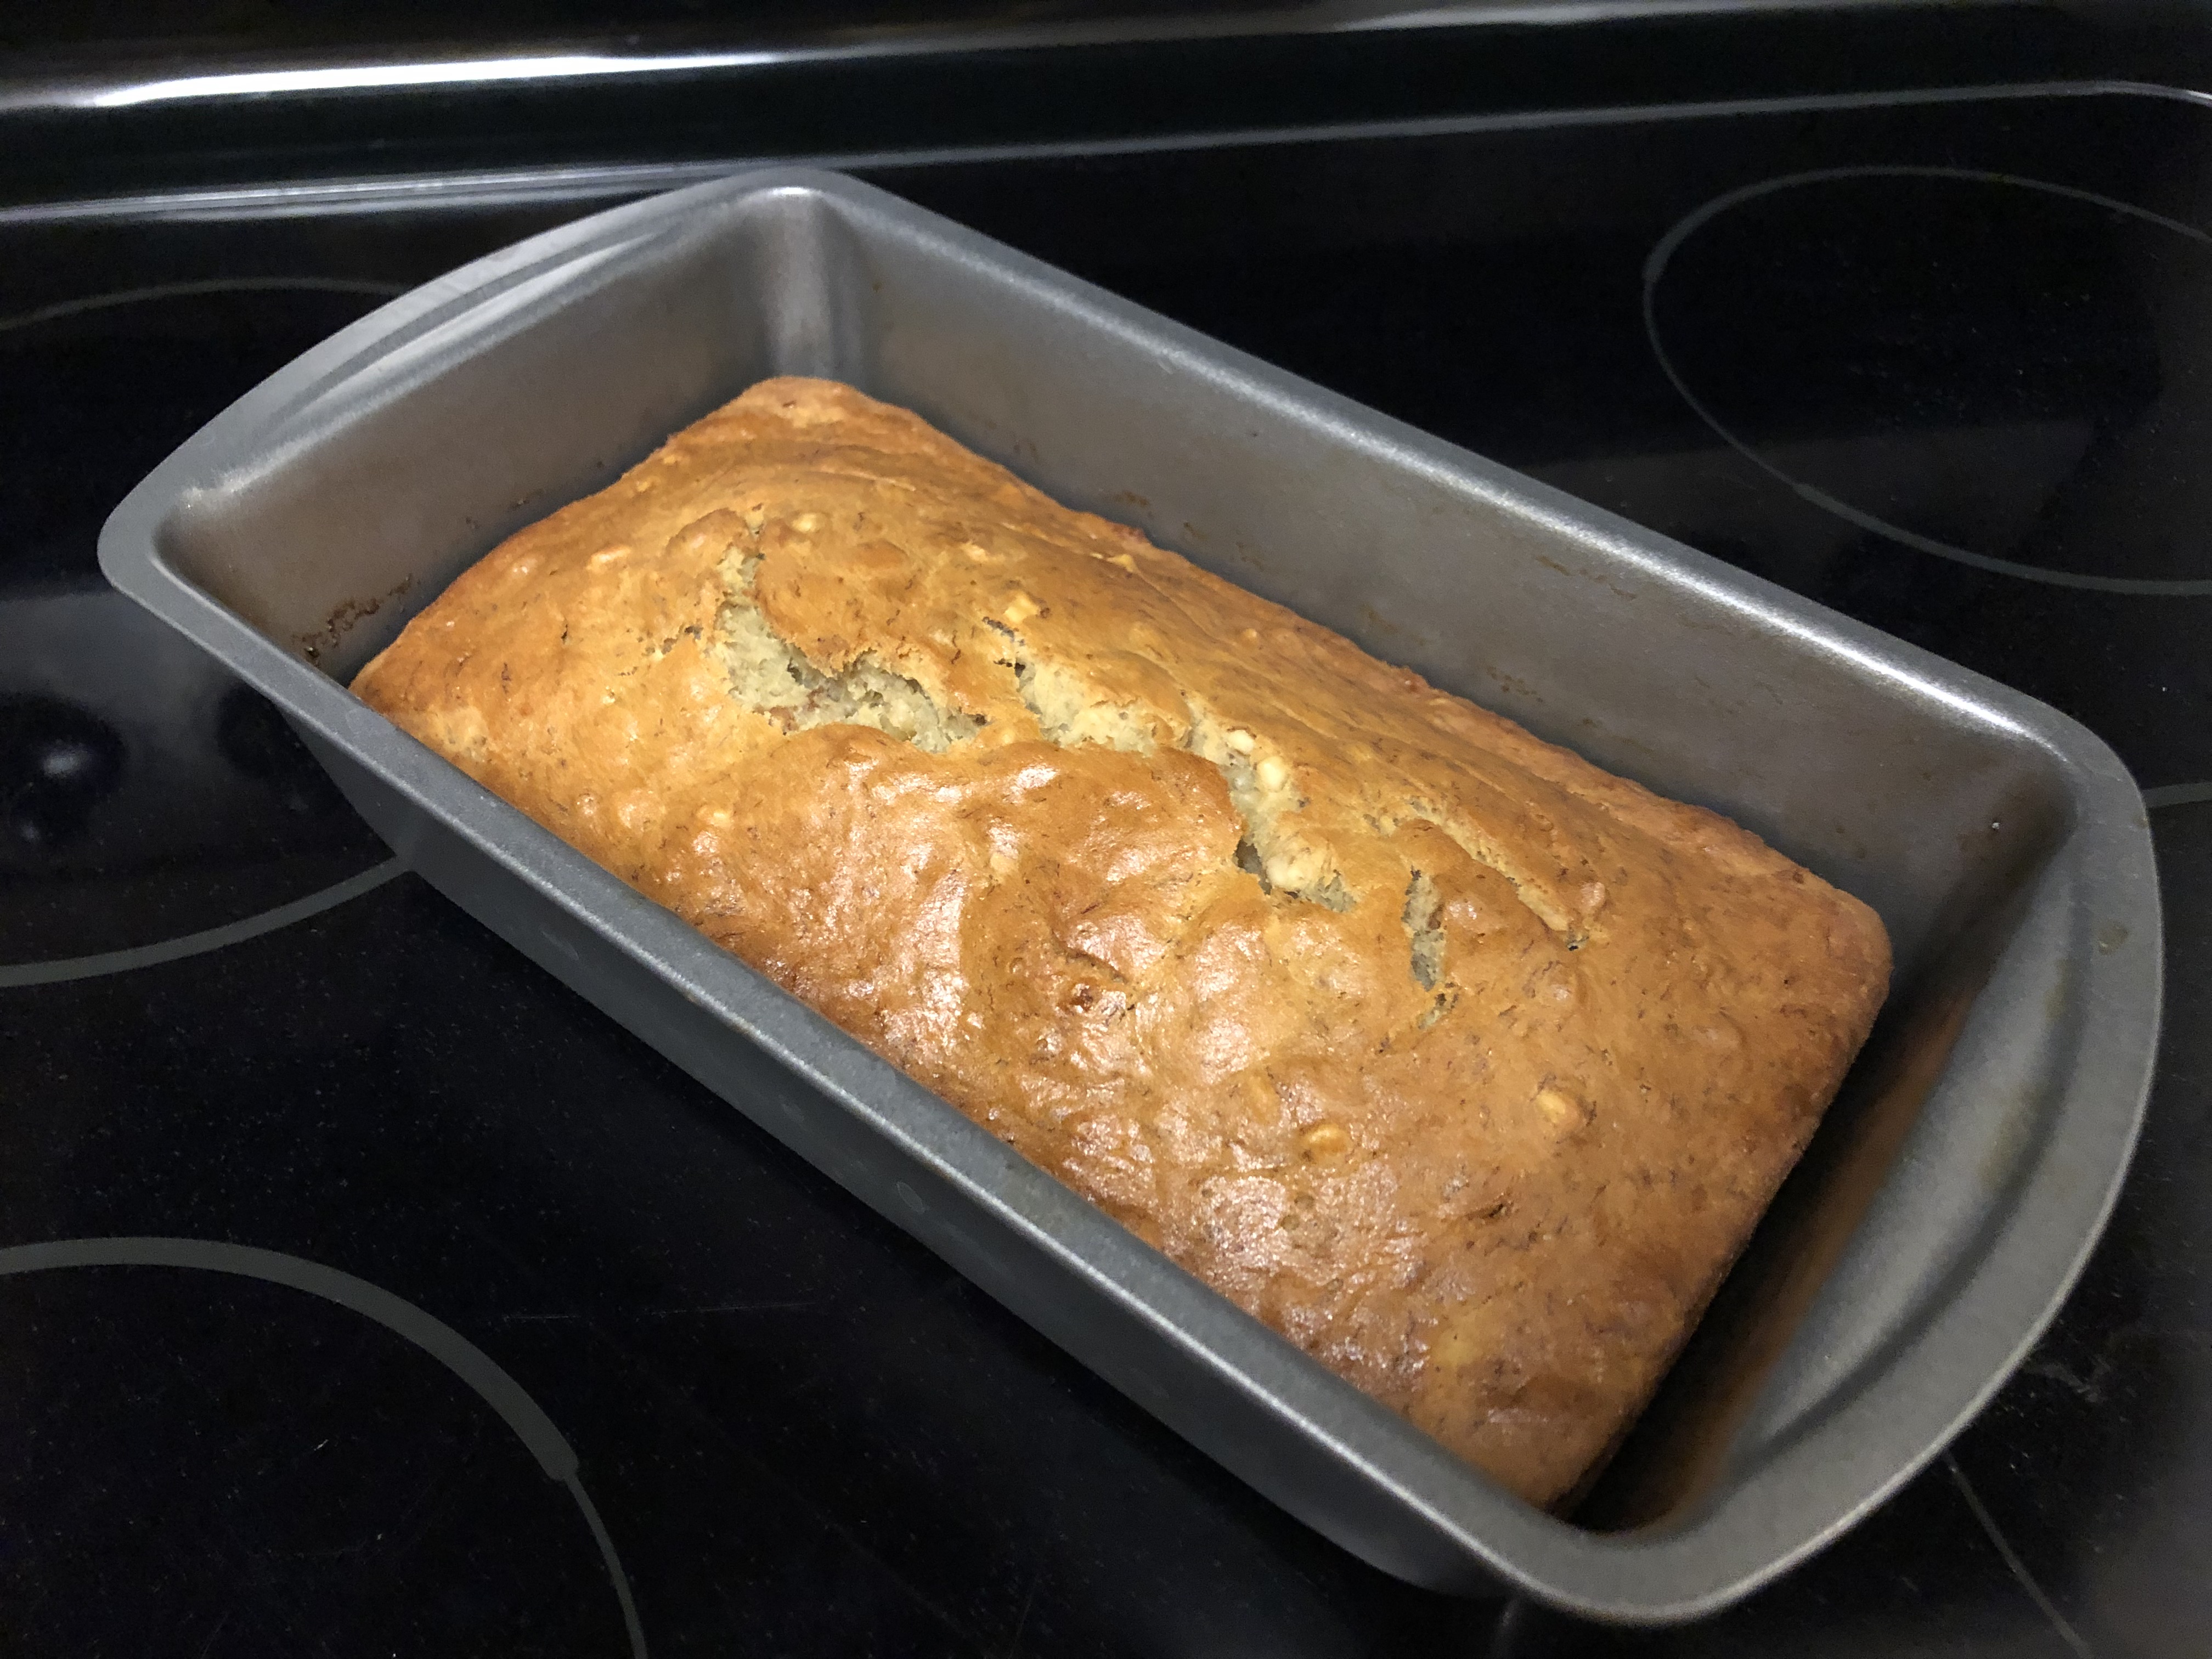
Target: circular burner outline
column 60, row 969
column 1655, row 267
column 483, row 1375
column 471, row 1365
column 129, row 296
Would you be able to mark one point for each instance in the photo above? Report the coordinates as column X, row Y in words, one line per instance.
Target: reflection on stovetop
column 143, row 793
column 1937, row 365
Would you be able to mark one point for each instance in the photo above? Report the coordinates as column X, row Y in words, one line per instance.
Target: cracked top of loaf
column 1463, row 1064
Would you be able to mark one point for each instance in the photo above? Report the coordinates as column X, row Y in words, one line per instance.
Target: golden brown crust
column 1465, row 1065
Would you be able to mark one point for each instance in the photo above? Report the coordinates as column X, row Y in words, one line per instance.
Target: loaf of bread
column 1464, row 1064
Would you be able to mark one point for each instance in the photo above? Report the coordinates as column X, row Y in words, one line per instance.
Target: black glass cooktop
column 362, row 1291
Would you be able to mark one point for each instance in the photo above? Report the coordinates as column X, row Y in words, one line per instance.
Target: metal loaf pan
column 1948, row 1202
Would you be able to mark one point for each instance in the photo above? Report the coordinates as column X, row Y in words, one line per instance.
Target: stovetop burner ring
column 170, row 728
column 483, row 1375
column 129, row 296
column 1663, row 253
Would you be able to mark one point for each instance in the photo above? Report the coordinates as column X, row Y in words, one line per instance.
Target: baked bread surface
column 1465, row 1065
